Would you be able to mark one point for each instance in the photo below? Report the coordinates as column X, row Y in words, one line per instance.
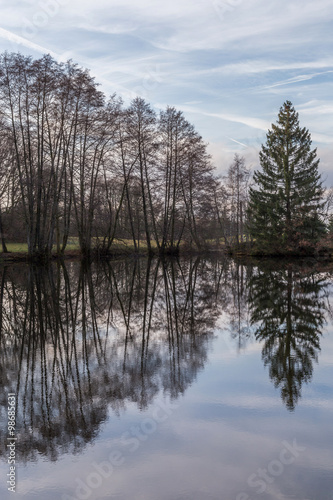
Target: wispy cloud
column 114, row 29
column 318, row 108
column 295, row 79
column 19, row 40
column 254, row 66
column 237, row 142
column 249, row 121
column 229, row 72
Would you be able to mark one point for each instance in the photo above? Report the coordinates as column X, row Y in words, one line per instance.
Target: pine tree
column 286, row 203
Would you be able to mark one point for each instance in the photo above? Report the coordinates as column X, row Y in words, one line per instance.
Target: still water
column 173, row 380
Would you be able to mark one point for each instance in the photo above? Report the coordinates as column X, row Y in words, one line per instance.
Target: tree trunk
column 3, row 242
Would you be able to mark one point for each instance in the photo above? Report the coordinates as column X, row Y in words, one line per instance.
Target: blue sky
column 229, row 65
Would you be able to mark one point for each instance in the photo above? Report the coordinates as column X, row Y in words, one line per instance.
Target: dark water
column 198, row 379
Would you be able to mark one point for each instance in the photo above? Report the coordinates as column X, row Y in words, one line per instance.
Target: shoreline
column 95, row 256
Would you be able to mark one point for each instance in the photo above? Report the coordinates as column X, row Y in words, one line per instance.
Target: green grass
column 121, row 245
column 17, row 247
column 23, row 247
column 73, row 245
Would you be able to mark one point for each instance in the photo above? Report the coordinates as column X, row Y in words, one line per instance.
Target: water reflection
column 77, row 342
column 237, row 304
column 288, row 308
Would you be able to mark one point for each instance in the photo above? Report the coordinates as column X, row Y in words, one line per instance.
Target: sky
column 227, row 64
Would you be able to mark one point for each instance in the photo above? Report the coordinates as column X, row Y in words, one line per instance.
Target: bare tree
column 236, row 185
column 97, row 171
column 141, row 123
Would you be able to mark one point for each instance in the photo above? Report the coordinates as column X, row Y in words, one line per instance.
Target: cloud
column 115, row 29
column 229, row 68
column 322, row 138
column 249, row 121
column 237, row 142
column 254, row 66
column 16, row 39
column 318, row 108
column 295, row 79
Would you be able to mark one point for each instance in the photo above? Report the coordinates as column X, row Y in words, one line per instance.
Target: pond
column 180, row 379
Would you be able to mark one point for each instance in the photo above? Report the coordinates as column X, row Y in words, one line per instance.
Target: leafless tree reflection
column 77, row 341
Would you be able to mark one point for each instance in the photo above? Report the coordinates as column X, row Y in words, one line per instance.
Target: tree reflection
column 237, row 306
column 80, row 342
column 288, row 310
column 77, row 341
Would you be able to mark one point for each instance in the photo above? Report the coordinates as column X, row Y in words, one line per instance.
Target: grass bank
column 120, row 248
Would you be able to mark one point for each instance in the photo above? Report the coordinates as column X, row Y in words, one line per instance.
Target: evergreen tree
column 286, row 203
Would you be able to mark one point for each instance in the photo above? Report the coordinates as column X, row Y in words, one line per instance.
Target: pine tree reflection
column 77, row 341
column 288, row 309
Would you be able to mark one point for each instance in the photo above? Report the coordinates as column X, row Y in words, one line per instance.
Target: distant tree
column 220, row 211
column 236, row 184
column 285, row 205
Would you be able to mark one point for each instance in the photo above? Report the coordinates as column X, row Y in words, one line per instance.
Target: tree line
column 75, row 165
